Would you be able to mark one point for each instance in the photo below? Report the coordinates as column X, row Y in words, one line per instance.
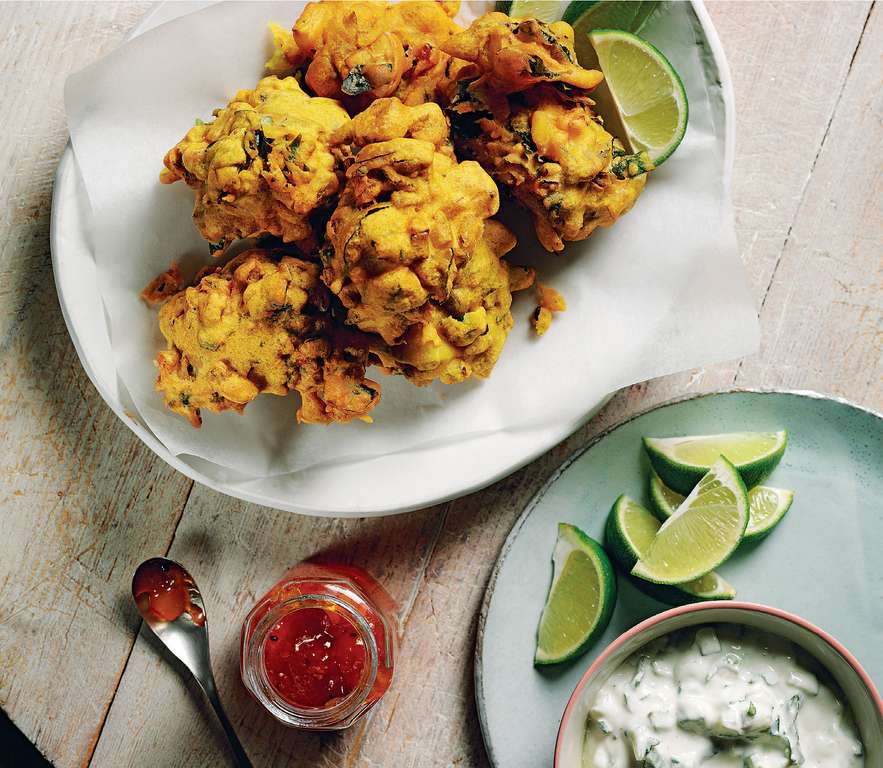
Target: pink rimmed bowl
column 857, row 686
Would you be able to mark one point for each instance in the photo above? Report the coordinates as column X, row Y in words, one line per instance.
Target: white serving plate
column 386, row 485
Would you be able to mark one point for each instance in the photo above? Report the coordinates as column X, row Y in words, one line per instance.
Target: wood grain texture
column 72, row 525
column 808, row 215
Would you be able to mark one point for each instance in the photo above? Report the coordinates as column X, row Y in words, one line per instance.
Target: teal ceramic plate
column 823, row 562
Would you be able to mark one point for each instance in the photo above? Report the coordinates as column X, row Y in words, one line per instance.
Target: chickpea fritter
column 261, row 324
column 410, row 251
column 361, row 51
column 519, row 104
column 262, row 166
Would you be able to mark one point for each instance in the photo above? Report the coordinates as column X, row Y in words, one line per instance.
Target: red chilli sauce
column 162, row 588
column 318, row 649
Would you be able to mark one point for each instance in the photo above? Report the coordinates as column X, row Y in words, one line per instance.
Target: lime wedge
column 681, row 461
column 586, row 15
column 647, row 93
column 630, row 531
column 704, row 531
column 544, row 10
column 665, row 500
column 581, row 598
column 767, row 508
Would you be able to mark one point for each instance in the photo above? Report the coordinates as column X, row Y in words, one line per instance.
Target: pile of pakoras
column 369, row 163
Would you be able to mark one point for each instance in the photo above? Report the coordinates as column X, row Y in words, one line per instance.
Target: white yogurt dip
column 722, row 696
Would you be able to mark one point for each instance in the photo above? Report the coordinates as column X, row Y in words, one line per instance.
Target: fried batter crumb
column 164, row 285
column 549, row 301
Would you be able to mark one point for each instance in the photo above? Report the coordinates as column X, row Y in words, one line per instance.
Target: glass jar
column 318, row 650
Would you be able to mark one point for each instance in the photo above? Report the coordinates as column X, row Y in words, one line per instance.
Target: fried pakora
column 411, row 252
column 261, row 324
column 519, row 104
column 512, row 55
column 362, row 51
column 262, row 166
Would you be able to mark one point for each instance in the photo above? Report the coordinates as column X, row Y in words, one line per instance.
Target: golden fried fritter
column 261, row 324
column 513, row 54
column 410, row 253
column 262, row 166
column 520, row 106
column 361, row 51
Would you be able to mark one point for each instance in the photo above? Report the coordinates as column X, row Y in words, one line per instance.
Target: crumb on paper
column 163, row 286
column 541, row 320
column 548, row 301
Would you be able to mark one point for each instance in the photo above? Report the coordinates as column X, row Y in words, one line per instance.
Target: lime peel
column 680, row 462
column 581, row 597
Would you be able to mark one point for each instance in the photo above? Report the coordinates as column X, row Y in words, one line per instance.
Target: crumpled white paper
column 661, row 291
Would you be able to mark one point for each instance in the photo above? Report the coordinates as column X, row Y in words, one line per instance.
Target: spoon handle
column 239, row 755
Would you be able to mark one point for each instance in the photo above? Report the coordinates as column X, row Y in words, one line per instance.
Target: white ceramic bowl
column 857, row 686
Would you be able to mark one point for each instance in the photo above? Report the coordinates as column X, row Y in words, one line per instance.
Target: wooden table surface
column 83, row 501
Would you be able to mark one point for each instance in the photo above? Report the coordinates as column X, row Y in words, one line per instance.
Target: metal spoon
column 171, row 605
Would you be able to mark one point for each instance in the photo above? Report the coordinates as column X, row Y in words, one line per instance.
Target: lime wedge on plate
column 767, row 508
column 647, row 92
column 630, row 531
column 704, row 531
column 586, row 15
column 681, row 461
column 665, row 500
column 581, row 598
column 544, row 10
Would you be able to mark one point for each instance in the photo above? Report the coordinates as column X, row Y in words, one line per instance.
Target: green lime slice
column 681, row 461
column 544, row 10
column 665, row 500
column 586, row 15
column 630, row 531
column 647, row 93
column 704, row 531
column 581, row 598
column 767, row 508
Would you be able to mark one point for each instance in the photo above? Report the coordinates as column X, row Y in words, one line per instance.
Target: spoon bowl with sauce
column 171, row 605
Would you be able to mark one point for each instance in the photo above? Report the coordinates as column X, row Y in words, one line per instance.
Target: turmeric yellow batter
column 262, row 166
column 261, row 325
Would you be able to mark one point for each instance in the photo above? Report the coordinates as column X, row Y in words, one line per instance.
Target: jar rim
column 255, row 676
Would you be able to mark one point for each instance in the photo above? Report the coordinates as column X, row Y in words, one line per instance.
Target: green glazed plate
column 822, row 561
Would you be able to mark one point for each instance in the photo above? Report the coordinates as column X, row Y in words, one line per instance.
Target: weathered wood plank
column 823, row 313
column 72, row 524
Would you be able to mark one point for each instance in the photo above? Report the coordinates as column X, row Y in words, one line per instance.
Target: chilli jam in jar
column 318, row 649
